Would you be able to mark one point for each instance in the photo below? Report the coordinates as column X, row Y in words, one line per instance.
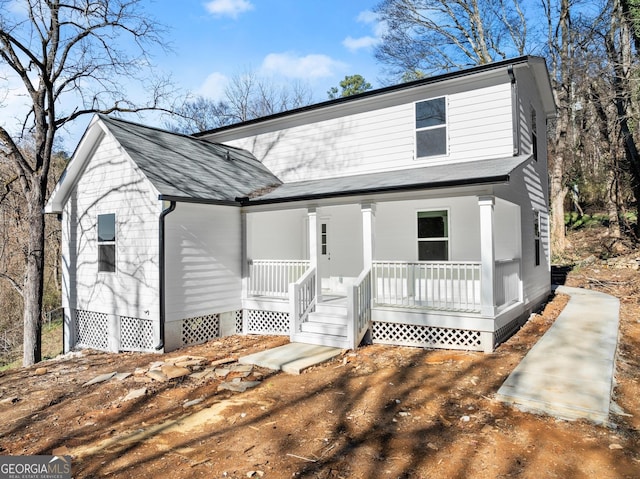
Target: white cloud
column 228, row 8
column 214, row 86
column 355, row 44
column 306, row 67
column 378, row 28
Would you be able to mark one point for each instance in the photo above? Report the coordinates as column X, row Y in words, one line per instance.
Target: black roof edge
column 379, row 91
column 201, row 201
column 385, row 189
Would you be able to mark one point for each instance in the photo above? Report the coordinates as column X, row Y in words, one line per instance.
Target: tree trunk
column 612, row 202
column 558, row 193
column 34, row 274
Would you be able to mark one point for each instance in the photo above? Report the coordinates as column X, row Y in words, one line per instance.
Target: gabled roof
column 479, row 172
column 188, row 168
column 180, row 167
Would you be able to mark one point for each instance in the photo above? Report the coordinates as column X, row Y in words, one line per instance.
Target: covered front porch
column 355, row 269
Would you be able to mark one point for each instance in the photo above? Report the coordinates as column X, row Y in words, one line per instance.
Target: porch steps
column 326, row 326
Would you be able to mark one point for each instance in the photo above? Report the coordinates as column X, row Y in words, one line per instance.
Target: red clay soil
column 378, row 412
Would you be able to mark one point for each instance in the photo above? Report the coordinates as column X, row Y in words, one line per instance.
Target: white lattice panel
column 200, row 329
column 425, row 336
column 239, row 322
column 267, row 322
column 92, row 330
column 136, row 334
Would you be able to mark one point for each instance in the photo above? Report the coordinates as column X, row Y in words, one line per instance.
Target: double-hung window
column 431, row 127
column 107, row 243
column 433, row 235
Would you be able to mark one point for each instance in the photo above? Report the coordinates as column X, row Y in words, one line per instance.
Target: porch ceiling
column 497, row 170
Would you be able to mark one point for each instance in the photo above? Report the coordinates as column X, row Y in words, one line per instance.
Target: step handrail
column 359, row 300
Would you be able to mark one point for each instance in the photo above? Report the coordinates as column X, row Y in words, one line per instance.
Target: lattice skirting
column 238, row 318
column 505, row 332
column 201, row 329
column 266, row 322
column 91, row 330
column 425, row 336
column 136, row 334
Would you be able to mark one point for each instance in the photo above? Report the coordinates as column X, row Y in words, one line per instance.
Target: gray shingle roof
column 456, row 174
column 188, row 168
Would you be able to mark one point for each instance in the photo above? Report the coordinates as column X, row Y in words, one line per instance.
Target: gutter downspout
column 514, row 111
column 163, row 215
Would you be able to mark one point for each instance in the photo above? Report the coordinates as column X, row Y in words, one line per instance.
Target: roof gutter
column 245, row 201
column 163, row 215
column 515, row 120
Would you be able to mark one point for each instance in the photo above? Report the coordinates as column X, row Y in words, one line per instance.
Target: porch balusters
column 450, row 286
column 271, row 278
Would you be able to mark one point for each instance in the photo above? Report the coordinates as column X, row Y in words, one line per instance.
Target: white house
column 415, row 214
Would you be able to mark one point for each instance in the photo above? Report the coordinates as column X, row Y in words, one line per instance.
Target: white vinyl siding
column 383, row 138
column 203, row 260
column 111, row 184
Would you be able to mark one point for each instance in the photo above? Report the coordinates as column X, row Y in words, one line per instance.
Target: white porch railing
column 359, row 308
column 507, row 282
column 271, row 278
column 450, row 286
column 303, row 294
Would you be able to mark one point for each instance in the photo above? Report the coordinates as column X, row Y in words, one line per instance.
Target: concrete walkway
column 569, row 372
column 291, row 358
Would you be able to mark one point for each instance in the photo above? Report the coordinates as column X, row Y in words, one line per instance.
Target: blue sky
column 312, row 41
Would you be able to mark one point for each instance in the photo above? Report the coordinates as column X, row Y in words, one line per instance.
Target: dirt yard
column 379, row 412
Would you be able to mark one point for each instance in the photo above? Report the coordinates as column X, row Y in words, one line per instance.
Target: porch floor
column 569, row 373
column 291, row 358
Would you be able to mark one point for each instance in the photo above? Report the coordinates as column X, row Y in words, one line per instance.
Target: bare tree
column 251, row 96
column 247, row 96
column 81, row 51
column 440, row 35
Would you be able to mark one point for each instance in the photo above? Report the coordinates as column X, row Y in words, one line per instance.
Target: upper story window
column 433, row 235
column 107, row 243
column 534, row 134
column 431, row 127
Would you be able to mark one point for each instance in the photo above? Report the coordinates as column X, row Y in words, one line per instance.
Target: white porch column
column 312, row 216
column 368, row 233
column 487, row 255
column 244, row 268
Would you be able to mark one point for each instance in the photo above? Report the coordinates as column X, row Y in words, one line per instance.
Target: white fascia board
column 89, row 141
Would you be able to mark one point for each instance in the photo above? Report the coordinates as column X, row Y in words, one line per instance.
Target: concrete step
column 322, row 339
column 324, row 328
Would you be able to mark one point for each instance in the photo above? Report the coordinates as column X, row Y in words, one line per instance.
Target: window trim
column 424, row 240
column 107, row 243
column 444, row 126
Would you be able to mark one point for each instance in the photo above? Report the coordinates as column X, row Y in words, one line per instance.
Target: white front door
column 324, row 253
